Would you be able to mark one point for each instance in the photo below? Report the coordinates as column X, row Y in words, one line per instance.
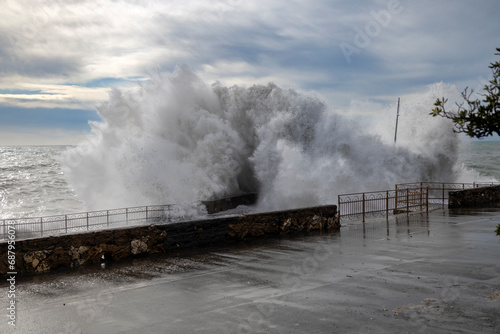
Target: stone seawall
column 72, row 250
column 229, row 203
column 473, row 197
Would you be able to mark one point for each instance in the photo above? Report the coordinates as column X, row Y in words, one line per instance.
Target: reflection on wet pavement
column 435, row 272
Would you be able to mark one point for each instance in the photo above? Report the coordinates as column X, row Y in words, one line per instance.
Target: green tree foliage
column 473, row 117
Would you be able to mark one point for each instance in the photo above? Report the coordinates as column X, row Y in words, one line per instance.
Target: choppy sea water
column 484, row 157
column 32, row 181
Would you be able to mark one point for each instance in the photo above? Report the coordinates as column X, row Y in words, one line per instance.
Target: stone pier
column 474, row 197
column 72, row 250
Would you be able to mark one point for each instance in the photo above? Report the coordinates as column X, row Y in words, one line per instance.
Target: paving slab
column 437, row 272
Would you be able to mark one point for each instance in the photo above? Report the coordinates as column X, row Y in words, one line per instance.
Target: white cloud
column 52, row 96
column 246, row 74
column 61, row 50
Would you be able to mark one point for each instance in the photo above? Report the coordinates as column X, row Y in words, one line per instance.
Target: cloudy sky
column 58, row 58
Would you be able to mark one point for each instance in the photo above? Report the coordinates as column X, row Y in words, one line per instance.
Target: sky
column 59, row 59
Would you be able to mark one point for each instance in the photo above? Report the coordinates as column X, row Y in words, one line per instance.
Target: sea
column 33, row 184
column 484, row 157
column 176, row 139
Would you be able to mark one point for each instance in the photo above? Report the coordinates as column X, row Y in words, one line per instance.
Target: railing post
column 407, row 202
column 443, row 197
column 146, row 213
column 421, row 197
column 41, row 226
column 387, row 204
column 396, row 200
column 107, row 218
column 363, row 207
column 87, row 221
column 126, row 216
column 338, row 209
column 66, row 223
column 427, row 198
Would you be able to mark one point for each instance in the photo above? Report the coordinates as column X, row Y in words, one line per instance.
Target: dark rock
column 474, row 197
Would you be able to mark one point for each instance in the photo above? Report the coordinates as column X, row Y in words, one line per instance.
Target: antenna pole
column 396, row 132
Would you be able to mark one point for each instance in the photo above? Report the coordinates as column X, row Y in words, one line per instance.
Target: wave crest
column 176, row 139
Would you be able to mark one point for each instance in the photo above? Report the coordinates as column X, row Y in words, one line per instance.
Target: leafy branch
column 473, row 117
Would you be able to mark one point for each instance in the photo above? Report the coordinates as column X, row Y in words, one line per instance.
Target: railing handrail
column 365, row 203
column 97, row 211
column 98, row 219
column 376, row 192
column 451, row 183
column 369, row 192
column 355, row 204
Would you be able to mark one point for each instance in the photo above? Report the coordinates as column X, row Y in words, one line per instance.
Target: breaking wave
column 176, row 139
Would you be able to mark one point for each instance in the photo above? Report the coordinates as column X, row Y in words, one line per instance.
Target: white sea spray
column 177, row 139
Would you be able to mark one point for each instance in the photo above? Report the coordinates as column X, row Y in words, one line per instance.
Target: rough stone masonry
column 40, row 255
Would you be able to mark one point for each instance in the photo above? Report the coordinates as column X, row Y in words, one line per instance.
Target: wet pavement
column 428, row 273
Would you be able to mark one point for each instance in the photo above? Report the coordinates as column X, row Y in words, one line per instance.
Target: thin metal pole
column 363, row 207
column 396, row 200
column 337, row 202
column 407, row 202
column 107, row 218
column 396, row 131
column 427, row 198
column 41, row 227
column 387, row 204
column 421, row 198
column 443, row 197
column 66, row 223
column 87, row 221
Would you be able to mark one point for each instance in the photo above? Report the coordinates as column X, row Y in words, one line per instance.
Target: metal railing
column 438, row 191
column 405, row 198
column 94, row 220
column 380, row 203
